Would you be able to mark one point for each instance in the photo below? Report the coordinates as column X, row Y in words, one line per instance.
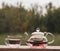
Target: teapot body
column 39, row 39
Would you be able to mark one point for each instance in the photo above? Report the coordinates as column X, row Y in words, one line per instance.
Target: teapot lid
column 37, row 32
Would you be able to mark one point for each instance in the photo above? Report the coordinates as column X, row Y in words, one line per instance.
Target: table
column 27, row 48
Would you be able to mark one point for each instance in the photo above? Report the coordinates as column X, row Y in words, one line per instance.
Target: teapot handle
column 52, row 37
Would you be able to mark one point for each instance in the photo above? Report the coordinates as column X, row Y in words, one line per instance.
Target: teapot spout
column 26, row 33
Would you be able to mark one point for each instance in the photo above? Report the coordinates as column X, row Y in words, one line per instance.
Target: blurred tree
column 19, row 19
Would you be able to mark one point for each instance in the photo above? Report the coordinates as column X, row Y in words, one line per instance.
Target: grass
column 57, row 40
column 3, row 36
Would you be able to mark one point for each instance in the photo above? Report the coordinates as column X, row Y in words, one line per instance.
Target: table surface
column 27, row 47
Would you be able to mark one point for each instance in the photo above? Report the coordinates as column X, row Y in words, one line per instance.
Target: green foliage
column 20, row 19
column 53, row 19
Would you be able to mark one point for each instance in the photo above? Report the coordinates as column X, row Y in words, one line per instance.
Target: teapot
column 39, row 39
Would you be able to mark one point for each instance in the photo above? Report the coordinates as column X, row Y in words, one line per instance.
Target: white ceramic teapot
column 39, row 39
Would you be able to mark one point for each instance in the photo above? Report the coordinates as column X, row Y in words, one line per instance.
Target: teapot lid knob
column 38, row 29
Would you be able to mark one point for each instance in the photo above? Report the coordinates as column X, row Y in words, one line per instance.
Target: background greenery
column 19, row 20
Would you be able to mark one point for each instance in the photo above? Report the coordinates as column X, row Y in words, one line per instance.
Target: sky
column 27, row 3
